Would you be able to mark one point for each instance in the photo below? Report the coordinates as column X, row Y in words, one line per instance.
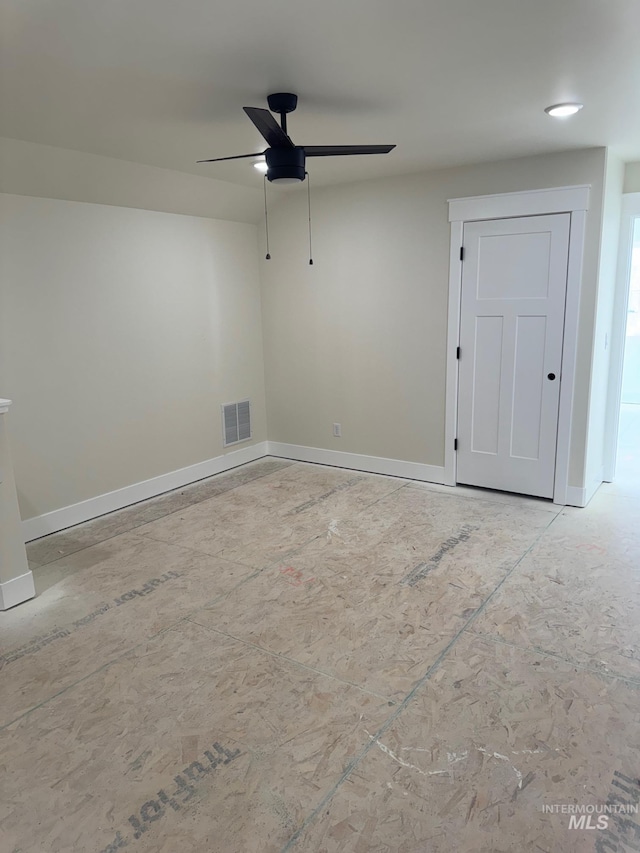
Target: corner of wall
column 631, row 178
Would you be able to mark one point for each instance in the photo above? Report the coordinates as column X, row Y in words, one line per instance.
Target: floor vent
column 236, row 422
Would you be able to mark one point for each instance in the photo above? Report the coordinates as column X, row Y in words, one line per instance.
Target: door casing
column 575, row 201
column 630, row 212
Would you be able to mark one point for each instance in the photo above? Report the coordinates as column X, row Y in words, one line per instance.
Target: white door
column 514, row 281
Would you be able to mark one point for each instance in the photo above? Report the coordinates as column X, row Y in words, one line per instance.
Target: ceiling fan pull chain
column 266, row 218
column 309, row 203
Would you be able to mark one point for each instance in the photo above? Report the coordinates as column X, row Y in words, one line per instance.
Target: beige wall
column 632, row 178
column 123, row 329
column 121, row 333
column 359, row 338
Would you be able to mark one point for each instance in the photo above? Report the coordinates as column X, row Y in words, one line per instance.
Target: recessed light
column 261, row 166
column 563, row 110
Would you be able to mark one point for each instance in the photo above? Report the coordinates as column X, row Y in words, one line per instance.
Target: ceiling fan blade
column 337, row 150
column 236, row 157
column 269, row 127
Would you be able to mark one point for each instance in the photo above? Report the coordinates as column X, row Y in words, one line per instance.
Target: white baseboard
column 594, row 485
column 576, row 496
column 581, row 496
column 359, row 462
column 59, row 519
column 16, row 591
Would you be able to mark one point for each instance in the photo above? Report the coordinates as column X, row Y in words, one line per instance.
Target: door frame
column 630, row 212
column 575, row 201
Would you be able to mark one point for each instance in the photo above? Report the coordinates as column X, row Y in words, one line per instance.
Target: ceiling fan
column 285, row 160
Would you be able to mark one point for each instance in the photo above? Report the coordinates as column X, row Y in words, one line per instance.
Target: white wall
column 27, row 168
column 123, row 329
column 121, row 333
column 600, row 366
column 632, row 178
column 359, row 338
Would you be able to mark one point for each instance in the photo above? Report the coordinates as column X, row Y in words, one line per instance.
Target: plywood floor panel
column 192, row 736
column 294, row 657
column 496, row 734
column 98, row 603
column 577, row 594
column 269, row 519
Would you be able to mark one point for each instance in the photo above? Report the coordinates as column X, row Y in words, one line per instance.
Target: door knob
column 551, row 376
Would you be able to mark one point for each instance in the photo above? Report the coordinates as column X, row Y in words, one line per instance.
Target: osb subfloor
column 296, row 657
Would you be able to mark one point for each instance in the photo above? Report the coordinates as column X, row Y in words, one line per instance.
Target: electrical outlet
column 337, row 431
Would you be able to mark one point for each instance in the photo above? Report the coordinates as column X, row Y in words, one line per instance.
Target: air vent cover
column 236, row 422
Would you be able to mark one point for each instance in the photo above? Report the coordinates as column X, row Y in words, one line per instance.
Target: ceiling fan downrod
column 282, row 103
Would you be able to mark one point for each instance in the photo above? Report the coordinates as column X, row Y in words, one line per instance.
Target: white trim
column 506, row 205
column 580, row 497
column 574, row 200
column 359, row 462
column 4, row 405
column 453, row 334
column 16, row 591
column 569, row 354
column 59, row 519
column 576, row 496
column 630, row 210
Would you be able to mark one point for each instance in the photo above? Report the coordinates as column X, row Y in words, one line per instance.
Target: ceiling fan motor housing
column 285, row 165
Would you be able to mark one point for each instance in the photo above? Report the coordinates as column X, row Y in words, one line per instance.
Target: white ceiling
column 163, row 82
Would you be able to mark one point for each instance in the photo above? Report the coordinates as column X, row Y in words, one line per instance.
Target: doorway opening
column 628, row 451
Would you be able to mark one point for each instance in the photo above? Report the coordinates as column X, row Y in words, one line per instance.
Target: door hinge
column 462, row 253
column 457, row 352
column 455, row 443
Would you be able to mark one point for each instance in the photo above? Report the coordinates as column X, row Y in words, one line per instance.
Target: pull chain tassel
column 266, row 218
column 309, row 204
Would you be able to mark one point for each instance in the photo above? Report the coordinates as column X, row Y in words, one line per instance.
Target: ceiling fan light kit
column 285, row 165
